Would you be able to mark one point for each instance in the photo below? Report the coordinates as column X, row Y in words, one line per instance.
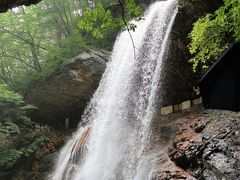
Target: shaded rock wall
column 66, row 92
column 178, row 79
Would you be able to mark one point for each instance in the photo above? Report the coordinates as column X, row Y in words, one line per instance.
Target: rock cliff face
column 65, row 93
column 178, row 79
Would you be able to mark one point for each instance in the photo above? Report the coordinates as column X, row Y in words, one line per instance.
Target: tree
column 213, row 33
column 37, row 40
column 21, row 47
column 98, row 21
column 29, row 33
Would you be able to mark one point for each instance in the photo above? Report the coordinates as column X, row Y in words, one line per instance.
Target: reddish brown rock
column 167, row 170
column 210, row 153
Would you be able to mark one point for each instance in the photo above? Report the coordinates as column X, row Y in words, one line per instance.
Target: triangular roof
column 221, row 62
column 220, row 85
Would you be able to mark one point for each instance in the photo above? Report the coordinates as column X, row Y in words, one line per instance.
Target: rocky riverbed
column 202, row 144
column 194, row 144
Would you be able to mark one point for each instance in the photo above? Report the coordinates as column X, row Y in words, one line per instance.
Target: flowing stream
column 113, row 144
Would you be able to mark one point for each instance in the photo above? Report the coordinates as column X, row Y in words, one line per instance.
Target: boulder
column 65, row 93
column 166, row 169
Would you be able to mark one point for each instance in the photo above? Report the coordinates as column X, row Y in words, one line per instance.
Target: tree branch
column 25, row 40
column 128, row 29
column 13, row 57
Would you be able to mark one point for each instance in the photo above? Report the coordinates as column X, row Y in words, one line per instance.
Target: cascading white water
column 120, row 112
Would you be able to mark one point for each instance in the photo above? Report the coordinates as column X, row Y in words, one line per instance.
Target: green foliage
column 213, row 117
column 33, row 147
column 7, row 96
column 12, row 112
column 19, row 144
column 36, row 41
column 9, row 158
column 132, row 9
column 11, row 103
column 55, row 59
column 97, row 21
column 19, row 139
column 58, row 56
column 207, row 42
column 211, row 34
column 18, row 152
column 9, row 127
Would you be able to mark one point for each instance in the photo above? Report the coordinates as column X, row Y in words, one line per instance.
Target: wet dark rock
column 236, row 140
column 221, row 165
column 167, row 170
column 206, row 137
column 214, row 152
column 207, row 174
column 199, row 127
column 167, row 132
column 223, row 133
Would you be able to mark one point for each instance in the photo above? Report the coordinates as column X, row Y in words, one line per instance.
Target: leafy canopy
column 7, row 96
column 212, row 34
column 98, row 21
column 36, row 41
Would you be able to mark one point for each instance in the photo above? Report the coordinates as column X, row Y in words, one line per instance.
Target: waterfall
column 117, row 136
